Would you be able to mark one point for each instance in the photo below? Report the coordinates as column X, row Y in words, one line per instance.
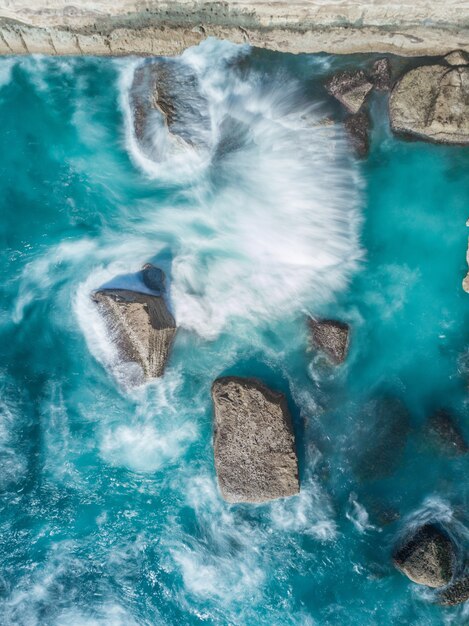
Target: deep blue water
column 110, row 512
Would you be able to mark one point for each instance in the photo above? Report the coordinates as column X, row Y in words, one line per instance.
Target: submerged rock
column 427, row 557
column 141, row 326
column 350, row 89
column 331, row 337
column 254, row 443
column 379, row 437
column 456, row 592
column 432, row 102
column 444, row 432
column 357, row 127
column 153, row 278
column 169, row 88
column 381, row 74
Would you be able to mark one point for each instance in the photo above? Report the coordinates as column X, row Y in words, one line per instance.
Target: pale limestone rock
column 350, row 89
column 457, row 57
column 254, row 443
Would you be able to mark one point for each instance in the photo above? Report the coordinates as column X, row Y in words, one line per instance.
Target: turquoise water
column 110, row 512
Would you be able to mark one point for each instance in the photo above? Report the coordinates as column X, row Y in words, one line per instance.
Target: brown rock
column 457, row 57
column 357, row 127
column 254, row 443
column 331, row 337
column 455, row 593
column 141, row 327
column 350, row 89
column 381, row 74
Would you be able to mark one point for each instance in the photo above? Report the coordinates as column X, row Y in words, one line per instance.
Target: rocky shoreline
column 158, row 27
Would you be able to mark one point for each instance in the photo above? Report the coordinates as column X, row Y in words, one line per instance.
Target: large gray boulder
column 254, row 443
column 350, row 89
column 427, row 557
column 432, row 103
column 167, row 91
column 141, row 327
column 331, row 337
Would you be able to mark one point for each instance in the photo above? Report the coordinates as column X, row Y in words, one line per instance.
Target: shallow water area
column 110, row 512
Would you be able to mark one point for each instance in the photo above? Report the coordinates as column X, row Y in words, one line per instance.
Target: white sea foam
column 271, row 224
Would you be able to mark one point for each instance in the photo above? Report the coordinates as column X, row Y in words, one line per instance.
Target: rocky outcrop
column 141, row 327
column 159, row 27
column 167, row 91
column 357, row 127
column 350, row 89
column 254, row 443
column 444, row 433
column 457, row 57
column 456, row 592
column 427, row 557
column 331, row 337
column 381, row 74
column 432, row 103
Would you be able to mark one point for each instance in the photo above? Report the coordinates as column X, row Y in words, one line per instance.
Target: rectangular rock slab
column 254, row 442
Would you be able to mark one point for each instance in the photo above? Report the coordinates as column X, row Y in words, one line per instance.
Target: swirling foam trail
column 271, row 222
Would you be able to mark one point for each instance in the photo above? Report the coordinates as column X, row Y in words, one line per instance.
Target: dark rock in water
column 331, row 337
column 456, row 592
column 432, row 103
column 380, row 435
column 357, row 127
column 381, row 74
column 457, row 57
column 153, row 278
column 350, row 89
column 445, row 434
column 141, row 326
column 254, row 443
column 170, row 88
column 427, row 557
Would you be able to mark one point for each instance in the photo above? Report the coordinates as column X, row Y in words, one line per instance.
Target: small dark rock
column 357, row 127
column 455, row 593
column 153, row 278
column 427, row 557
column 350, row 89
column 381, row 74
column 445, row 434
column 331, row 337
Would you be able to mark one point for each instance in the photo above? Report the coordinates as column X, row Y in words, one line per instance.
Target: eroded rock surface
column 457, row 57
column 357, row 127
column 432, row 102
column 456, row 592
column 444, row 433
column 331, row 337
column 427, row 557
column 254, row 443
column 140, row 325
column 167, row 91
column 381, row 74
column 350, row 89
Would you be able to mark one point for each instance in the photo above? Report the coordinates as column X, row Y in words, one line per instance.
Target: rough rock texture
column 381, row 74
column 432, row 102
column 331, row 337
column 444, row 432
column 456, row 592
column 254, row 443
column 379, row 437
column 153, row 278
column 357, row 127
column 457, row 57
column 350, row 89
column 166, row 27
column 427, row 557
column 171, row 90
column 141, row 326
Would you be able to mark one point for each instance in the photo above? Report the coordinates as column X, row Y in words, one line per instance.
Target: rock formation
column 331, row 337
column 141, row 327
column 357, row 127
column 457, row 57
column 456, row 592
column 444, row 432
column 350, row 89
column 167, row 91
column 432, row 103
column 254, row 443
column 427, row 557
column 381, row 74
